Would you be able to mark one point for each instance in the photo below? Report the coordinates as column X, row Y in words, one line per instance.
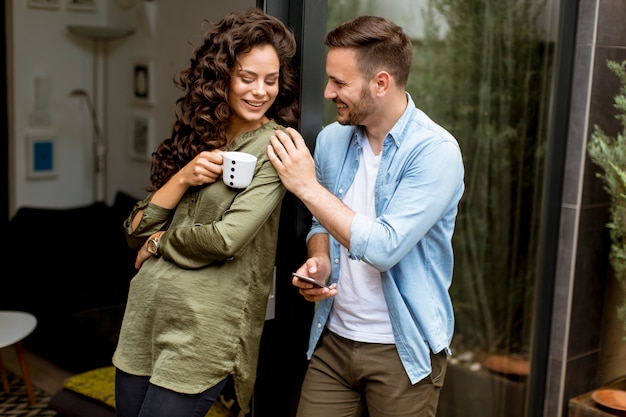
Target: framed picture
column 40, row 151
column 143, row 82
column 43, row 4
column 81, row 5
column 141, row 132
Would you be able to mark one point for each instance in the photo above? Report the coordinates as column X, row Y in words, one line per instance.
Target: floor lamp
column 100, row 35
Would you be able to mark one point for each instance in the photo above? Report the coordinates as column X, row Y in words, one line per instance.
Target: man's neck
column 381, row 122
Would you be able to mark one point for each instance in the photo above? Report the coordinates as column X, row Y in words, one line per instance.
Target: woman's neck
column 237, row 129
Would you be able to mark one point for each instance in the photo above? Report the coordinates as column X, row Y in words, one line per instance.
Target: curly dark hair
column 203, row 113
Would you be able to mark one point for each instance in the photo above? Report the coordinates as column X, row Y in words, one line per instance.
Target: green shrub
column 610, row 155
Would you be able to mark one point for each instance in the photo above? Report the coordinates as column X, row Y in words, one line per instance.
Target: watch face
column 152, row 247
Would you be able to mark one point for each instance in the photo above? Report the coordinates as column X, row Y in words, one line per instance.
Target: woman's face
column 254, row 86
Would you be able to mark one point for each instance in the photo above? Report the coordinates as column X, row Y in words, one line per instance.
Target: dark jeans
column 135, row 396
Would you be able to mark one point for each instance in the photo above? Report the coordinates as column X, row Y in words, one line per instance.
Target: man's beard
column 360, row 110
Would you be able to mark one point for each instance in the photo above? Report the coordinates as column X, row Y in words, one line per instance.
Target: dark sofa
column 72, row 270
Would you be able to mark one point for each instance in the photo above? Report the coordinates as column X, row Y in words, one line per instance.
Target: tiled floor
column 44, row 374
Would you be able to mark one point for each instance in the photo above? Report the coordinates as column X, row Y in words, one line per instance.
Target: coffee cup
column 238, row 168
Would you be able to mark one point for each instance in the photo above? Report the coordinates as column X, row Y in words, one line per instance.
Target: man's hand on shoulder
column 293, row 161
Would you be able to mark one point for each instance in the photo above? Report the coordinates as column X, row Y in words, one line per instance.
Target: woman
column 196, row 307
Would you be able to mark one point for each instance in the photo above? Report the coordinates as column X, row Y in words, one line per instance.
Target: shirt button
column 341, row 191
column 336, row 260
column 319, row 325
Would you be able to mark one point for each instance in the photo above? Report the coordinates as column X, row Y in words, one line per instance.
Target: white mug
column 238, row 168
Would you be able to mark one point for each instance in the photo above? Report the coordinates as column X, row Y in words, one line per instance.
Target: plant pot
column 606, row 401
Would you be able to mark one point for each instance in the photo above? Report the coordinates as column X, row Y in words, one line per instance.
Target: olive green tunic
column 195, row 314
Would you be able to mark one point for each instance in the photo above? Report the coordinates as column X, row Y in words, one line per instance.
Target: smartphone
column 309, row 280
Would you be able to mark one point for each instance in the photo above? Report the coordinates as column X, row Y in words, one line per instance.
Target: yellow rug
column 99, row 384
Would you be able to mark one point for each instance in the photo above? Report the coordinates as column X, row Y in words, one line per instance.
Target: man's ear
column 383, row 83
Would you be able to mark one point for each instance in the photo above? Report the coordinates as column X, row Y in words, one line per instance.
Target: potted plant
column 609, row 153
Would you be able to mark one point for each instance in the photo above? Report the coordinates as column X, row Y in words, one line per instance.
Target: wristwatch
column 153, row 244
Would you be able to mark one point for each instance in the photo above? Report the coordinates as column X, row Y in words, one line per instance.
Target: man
column 383, row 190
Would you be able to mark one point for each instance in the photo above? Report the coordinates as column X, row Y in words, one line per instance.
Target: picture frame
column 143, row 81
column 43, row 4
column 81, row 5
column 141, row 141
column 41, row 156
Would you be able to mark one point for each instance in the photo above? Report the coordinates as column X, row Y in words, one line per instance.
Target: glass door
column 484, row 70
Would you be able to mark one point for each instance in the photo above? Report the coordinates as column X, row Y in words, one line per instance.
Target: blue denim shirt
column 418, row 188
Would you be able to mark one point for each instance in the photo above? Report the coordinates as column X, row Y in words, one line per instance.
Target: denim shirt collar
column 398, row 130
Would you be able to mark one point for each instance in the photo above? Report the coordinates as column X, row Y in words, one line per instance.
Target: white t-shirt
column 359, row 310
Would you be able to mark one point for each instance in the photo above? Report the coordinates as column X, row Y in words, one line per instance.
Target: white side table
column 14, row 327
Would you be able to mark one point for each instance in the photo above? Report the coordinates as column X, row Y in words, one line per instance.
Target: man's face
column 347, row 88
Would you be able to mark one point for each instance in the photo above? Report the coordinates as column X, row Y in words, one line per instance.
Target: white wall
column 42, row 47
